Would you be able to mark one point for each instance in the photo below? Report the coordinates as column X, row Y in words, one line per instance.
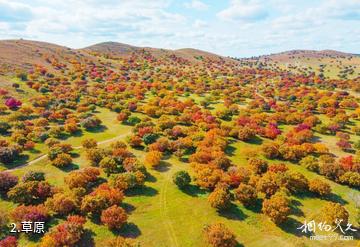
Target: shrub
column 89, row 143
column 351, row 178
column 29, row 213
column 319, row 187
column 90, row 123
column 270, row 150
column 246, row 194
column 220, row 198
column 181, row 179
column 13, row 103
column 150, row 138
column 267, row 184
column 153, row 158
column 67, row 233
column 8, row 154
column 258, row 166
column 335, row 211
column 30, row 192
column 109, row 165
column 296, row 182
column 276, row 208
column 218, row 235
column 310, row 163
column 245, row 134
column 82, row 178
column 128, row 180
column 33, row 176
column 7, row 181
column 114, row 217
column 60, row 204
column 62, row 160
column 101, row 198
column 121, row 242
column 9, row 241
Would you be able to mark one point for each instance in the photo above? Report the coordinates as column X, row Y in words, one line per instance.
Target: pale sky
column 239, row 28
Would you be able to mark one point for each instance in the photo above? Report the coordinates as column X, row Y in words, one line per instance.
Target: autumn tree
column 37, row 213
column 62, row 160
column 267, row 184
column 89, row 143
column 30, row 192
column 60, row 204
column 310, row 163
column 7, row 181
column 101, row 198
column 109, row 165
column 128, row 180
column 9, row 241
column 258, row 166
column 319, row 187
column 276, row 208
column 220, row 198
column 332, row 212
column 218, row 235
column 82, row 178
column 270, row 150
column 68, row 233
column 114, row 217
column 153, row 158
column 121, row 242
column 206, row 177
column 33, row 176
column 246, row 194
column 351, row 178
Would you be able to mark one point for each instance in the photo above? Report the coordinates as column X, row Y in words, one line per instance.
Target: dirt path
column 163, row 208
column 44, row 156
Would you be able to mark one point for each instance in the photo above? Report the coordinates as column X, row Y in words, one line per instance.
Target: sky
column 238, row 28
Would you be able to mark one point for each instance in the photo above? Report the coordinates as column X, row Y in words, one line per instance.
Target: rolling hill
column 329, row 63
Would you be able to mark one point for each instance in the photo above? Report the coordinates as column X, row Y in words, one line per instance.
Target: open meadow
column 115, row 145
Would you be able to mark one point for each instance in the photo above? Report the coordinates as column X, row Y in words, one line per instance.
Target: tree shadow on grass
column 294, row 207
column 230, row 150
column 291, row 225
column 184, row 159
column 256, row 207
column 163, row 166
column 193, row 190
column 255, row 140
column 87, row 239
column 34, row 151
column 21, row 160
column 99, row 129
column 142, row 191
column 70, row 168
column 233, row 213
column 128, row 207
column 150, row 178
column 129, row 230
column 78, row 133
column 331, row 197
column 75, row 155
column 335, row 198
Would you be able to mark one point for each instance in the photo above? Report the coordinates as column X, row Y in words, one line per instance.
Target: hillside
column 124, row 50
column 329, row 63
